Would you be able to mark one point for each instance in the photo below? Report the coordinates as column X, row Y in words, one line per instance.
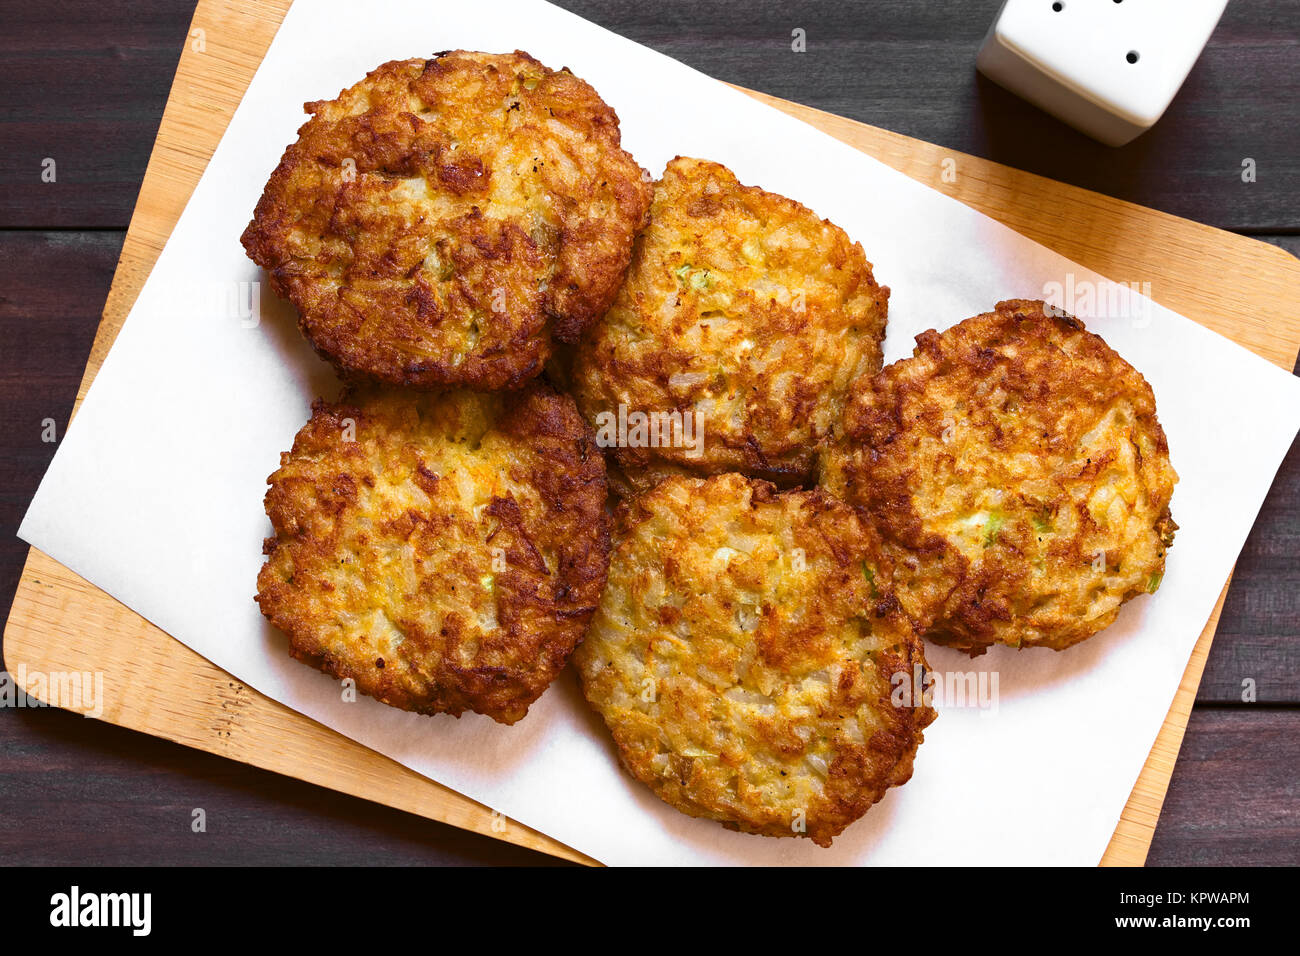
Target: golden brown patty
column 1017, row 472
column 743, row 309
column 742, row 656
column 445, row 551
column 439, row 221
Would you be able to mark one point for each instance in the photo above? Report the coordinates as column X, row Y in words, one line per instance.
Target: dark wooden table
column 83, row 82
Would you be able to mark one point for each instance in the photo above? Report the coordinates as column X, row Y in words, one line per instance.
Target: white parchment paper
column 155, row 494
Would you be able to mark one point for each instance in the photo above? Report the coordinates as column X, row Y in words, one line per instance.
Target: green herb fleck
column 991, row 529
column 698, row 279
column 870, row 575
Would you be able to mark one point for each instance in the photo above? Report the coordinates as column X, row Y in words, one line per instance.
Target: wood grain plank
column 83, row 84
column 52, row 286
column 86, row 792
column 1256, row 640
column 1241, row 763
column 61, row 622
column 910, row 67
column 896, row 64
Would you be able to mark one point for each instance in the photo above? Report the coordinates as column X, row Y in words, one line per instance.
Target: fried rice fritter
column 444, row 551
column 1017, row 473
column 743, row 309
column 441, row 220
column 745, row 653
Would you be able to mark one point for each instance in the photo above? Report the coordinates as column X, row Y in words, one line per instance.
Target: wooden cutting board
column 1239, row 287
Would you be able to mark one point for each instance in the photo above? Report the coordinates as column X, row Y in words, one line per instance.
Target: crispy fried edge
column 965, row 618
column 846, row 800
column 569, row 477
column 637, row 470
column 568, row 308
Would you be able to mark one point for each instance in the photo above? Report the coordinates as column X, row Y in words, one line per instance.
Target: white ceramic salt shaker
column 1109, row 68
